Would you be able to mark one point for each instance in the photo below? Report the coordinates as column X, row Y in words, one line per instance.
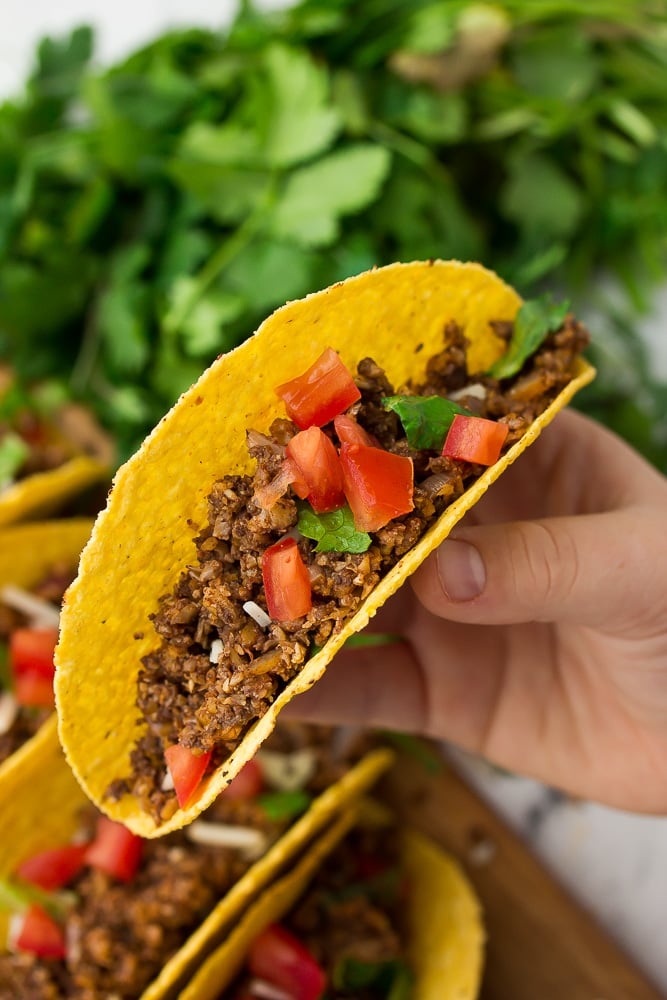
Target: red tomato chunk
column 247, row 784
column 350, row 432
column 279, row 958
column 34, row 691
column 39, row 934
column 317, row 461
column 115, row 850
column 31, row 651
column 186, row 769
column 475, row 439
column 320, row 393
column 286, row 581
column 55, row 868
column 378, row 485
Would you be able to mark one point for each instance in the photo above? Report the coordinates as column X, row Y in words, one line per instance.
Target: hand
column 536, row 634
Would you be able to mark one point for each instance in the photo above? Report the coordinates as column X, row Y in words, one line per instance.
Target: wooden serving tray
column 541, row 944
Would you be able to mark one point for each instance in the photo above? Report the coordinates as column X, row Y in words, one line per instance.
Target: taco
column 47, row 454
column 95, row 911
column 278, row 505
column 37, row 563
column 383, row 914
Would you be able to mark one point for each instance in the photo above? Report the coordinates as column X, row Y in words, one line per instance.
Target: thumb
column 600, row 570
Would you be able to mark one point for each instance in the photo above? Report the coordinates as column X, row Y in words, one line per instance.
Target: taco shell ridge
column 43, row 493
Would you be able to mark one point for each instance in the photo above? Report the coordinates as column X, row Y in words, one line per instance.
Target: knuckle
column 546, row 564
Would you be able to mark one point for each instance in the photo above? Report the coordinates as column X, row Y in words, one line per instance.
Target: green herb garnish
column 333, row 532
column 18, row 896
column 425, row 419
column 417, row 748
column 284, row 805
column 13, row 453
column 392, row 979
column 535, row 320
column 6, row 680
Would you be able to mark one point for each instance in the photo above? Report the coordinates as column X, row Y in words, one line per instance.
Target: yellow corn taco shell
column 445, row 944
column 43, row 493
column 142, row 540
column 27, row 553
column 40, row 807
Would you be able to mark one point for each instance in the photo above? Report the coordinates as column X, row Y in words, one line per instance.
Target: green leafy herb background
column 153, row 213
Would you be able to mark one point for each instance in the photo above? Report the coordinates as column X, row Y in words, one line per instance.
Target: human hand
column 536, row 634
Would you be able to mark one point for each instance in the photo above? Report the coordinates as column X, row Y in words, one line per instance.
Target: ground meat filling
column 182, row 695
column 348, row 916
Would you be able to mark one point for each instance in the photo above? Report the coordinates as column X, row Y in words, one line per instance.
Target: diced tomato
column 475, row 439
column 55, row 868
column 31, row 651
column 286, row 581
column 378, row 485
column 248, row 783
column 280, row 958
column 187, row 769
column 317, row 460
column 39, row 934
column 287, row 475
column 350, row 432
column 115, row 850
column 34, row 691
column 320, row 393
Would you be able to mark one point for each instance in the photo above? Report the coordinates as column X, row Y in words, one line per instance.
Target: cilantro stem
column 84, row 366
column 409, row 149
column 219, row 260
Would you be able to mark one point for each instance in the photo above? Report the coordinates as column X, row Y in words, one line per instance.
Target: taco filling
column 101, row 915
column 346, row 935
column 28, row 636
column 344, row 485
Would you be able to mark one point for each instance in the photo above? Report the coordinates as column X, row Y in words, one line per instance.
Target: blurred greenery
column 153, row 212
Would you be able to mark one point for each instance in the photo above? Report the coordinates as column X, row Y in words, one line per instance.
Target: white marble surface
column 614, row 862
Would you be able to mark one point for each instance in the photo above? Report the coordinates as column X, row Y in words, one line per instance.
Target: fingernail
column 461, row 570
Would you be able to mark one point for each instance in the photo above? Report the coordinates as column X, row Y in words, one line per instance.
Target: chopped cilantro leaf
column 391, row 979
column 333, row 532
column 284, row 805
column 425, row 419
column 13, row 453
column 534, row 321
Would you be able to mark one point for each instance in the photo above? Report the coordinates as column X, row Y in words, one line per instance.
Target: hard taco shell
column 143, row 540
column 445, row 944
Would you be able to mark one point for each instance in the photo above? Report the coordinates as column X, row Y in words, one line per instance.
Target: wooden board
column 541, row 944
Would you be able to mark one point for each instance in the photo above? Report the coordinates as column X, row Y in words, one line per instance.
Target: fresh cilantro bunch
column 151, row 214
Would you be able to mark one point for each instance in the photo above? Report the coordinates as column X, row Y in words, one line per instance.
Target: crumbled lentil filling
column 347, row 914
column 182, row 695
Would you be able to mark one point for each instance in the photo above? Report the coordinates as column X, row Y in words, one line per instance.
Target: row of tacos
column 90, row 910
column 263, row 523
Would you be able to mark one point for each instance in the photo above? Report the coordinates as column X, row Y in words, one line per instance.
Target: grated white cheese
column 167, row 783
column 288, row 772
column 41, row 613
column 266, row 991
column 251, row 842
column 9, row 709
column 257, row 613
column 475, row 389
